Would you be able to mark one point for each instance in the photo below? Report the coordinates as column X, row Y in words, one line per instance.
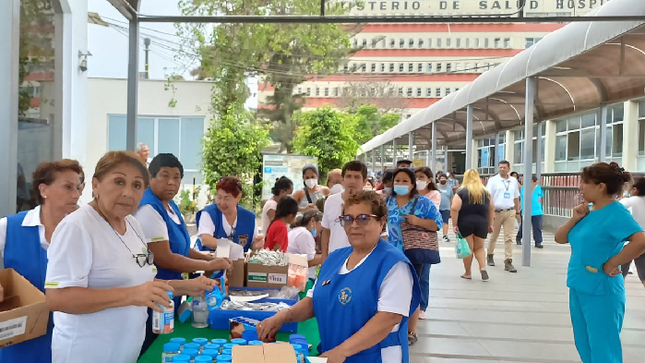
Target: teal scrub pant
column 597, row 321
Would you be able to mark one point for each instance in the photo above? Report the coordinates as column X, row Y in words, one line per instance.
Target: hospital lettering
column 459, row 6
column 580, row 4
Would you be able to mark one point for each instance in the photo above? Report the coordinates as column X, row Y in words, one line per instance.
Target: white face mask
column 311, row 183
column 338, row 188
column 421, row 184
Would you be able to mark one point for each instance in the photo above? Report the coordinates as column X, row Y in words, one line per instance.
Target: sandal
column 466, row 277
column 412, row 339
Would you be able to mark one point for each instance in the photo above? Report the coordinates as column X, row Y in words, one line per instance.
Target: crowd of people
column 370, row 242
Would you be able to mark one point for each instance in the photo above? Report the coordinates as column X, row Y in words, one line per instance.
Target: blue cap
column 192, row 353
column 200, row 341
column 238, row 341
column 249, row 335
column 297, row 336
column 256, row 342
column 180, row 341
column 211, row 346
column 170, row 294
column 228, row 346
column 219, row 341
column 227, row 352
column 195, row 346
column 181, row 358
column 185, row 315
column 224, row 358
column 171, row 347
column 210, row 352
column 204, row 359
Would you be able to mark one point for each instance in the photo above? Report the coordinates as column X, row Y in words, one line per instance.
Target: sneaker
column 412, row 339
column 484, row 275
column 491, row 261
column 422, row 315
column 446, row 239
column 508, row 266
column 519, row 243
column 539, row 245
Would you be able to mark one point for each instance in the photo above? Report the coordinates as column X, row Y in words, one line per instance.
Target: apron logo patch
column 243, row 238
column 345, row 296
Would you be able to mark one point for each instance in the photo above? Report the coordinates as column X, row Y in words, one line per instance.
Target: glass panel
column 617, row 141
column 588, row 120
column 641, row 135
column 587, row 144
column 561, row 126
column 641, row 108
column 561, row 147
column 146, row 133
column 543, row 144
column 117, row 128
column 573, row 146
column 608, row 140
column 619, row 113
column 192, row 132
column 574, row 123
column 518, row 150
column 168, row 136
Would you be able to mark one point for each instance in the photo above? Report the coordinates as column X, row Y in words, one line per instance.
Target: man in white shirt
column 505, row 192
column 333, row 234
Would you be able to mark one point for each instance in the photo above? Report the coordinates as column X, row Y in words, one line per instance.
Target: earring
column 44, row 197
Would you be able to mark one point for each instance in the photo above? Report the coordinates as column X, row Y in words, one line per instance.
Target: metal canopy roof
column 577, row 68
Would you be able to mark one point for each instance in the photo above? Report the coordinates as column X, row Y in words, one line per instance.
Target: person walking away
column 636, row 205
column 444, row 205
column 333, row 234
column 24, row 241
column 308, row 196
column 407, row 205
column 453, row 182
column 536, row 213
column 426, row 187
column 278, row 234
column 506, row 197
column 472, row 213
column 283, row 187
column 597, row 235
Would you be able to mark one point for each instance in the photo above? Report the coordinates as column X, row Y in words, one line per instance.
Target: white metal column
column 9, row 60
column 133, row 84
column 528, row 170
column 538, row 151
column 469, row 137
column 394, row 152
column 411, row 145
column 496, row 160
column 602, row 113
column 382, row 157
column 373, row 161
column 433, row 162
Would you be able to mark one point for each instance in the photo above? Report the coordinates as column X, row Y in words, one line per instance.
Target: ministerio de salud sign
column 465, row 7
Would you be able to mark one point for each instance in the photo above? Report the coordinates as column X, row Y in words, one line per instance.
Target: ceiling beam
column 127, row 8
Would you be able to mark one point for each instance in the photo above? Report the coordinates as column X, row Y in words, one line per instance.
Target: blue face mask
column 401, row 189
column 388, row 191
column 314, row 232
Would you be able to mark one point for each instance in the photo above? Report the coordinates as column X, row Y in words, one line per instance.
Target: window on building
column 308, row 91
column 477, row 42
column 439, row 67
column 429, row 42
column 448, row 42
column 429, row 67
column 382, row 67
column 400, row 91
column 364, row 43
column 392, row 43
column 335, row 91
column 419, row 92
column 363, row 67
column 409, row 92
column 641, row 127
column 448, row 67
column 456, row 89
column 373, row 67
column 345, row 67
column 486, row 43
column 411, row 43
column 354, row 43
column 374, row 42
column 458, row 40
column 467, row 43
column 326, row 91
column 401, row 67
column 429, row 92
column 497, row 43
column 317, row 91
column 437, row 92
column 354, row 67
column 447, row 91
column 391, row 67
column 401, row 43
column 507, row 43
column 438, row 42
column 299, row 90
column 531, row 41
column 420, row 43
column 561, row 148
column 420, row 67
column 410, row 67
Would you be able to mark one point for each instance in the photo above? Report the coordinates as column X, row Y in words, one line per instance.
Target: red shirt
column 277, row 234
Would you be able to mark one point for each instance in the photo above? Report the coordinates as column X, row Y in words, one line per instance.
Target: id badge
column 507, row 195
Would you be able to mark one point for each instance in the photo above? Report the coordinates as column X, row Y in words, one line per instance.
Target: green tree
column 282, row 54
column 232, row 147
column 328, row 135
column 372, row 123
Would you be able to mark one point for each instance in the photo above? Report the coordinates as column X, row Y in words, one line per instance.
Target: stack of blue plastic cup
column 299, row 340
column 239, row 341
column 249, row 335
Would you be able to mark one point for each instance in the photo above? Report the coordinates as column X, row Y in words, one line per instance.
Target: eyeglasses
column 144, row 258
column 361, row 219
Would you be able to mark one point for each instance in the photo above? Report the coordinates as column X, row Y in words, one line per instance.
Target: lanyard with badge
column 507, row 185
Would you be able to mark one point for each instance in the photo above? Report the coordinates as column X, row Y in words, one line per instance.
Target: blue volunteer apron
column 24, row 254
column 244, row 231
column 343, row 304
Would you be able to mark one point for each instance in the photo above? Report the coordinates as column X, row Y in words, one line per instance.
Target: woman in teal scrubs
column 597, row 232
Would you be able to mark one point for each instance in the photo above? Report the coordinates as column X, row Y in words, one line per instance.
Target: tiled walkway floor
column 515, row 318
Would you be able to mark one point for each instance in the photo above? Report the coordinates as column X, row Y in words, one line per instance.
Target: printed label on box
column 257, row 276
column 13, row 327
column 278, row 279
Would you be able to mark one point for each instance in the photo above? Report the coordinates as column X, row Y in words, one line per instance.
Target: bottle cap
column 181, row 358
column 210, row 352
column 192, row 353
column 200, row 341
column 171, row 347
column 180, row 341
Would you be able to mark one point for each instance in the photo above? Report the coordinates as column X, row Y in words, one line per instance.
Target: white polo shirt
column 503, row 191
column 333, row 210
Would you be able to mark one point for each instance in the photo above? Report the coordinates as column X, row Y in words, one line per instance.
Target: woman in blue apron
column 596, row 288
column 227, row 218
column 24, row 239
column 364, row 293
column 165, row 230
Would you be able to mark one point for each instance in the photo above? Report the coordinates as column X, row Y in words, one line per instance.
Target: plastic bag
column 462, row 248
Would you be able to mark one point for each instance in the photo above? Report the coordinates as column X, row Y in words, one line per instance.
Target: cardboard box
column 23, row 313
column 266, row 353
column 236, row 278
column 259, row 275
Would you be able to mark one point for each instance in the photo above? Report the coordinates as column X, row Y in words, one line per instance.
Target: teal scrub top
column 598, row 237
column 536, row 206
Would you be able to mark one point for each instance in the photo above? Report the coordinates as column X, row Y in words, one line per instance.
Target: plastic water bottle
column 200, row 313
column 164, row 322
column 169, row 351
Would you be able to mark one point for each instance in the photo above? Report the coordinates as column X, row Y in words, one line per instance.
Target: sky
column 109, row 45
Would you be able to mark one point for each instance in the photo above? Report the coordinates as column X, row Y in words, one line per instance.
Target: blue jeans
column 536, row 221
column 425, row 286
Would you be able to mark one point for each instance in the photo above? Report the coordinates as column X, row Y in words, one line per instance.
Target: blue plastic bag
column 462, row 248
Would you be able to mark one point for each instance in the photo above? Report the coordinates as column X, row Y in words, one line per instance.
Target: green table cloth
column 308, row 328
